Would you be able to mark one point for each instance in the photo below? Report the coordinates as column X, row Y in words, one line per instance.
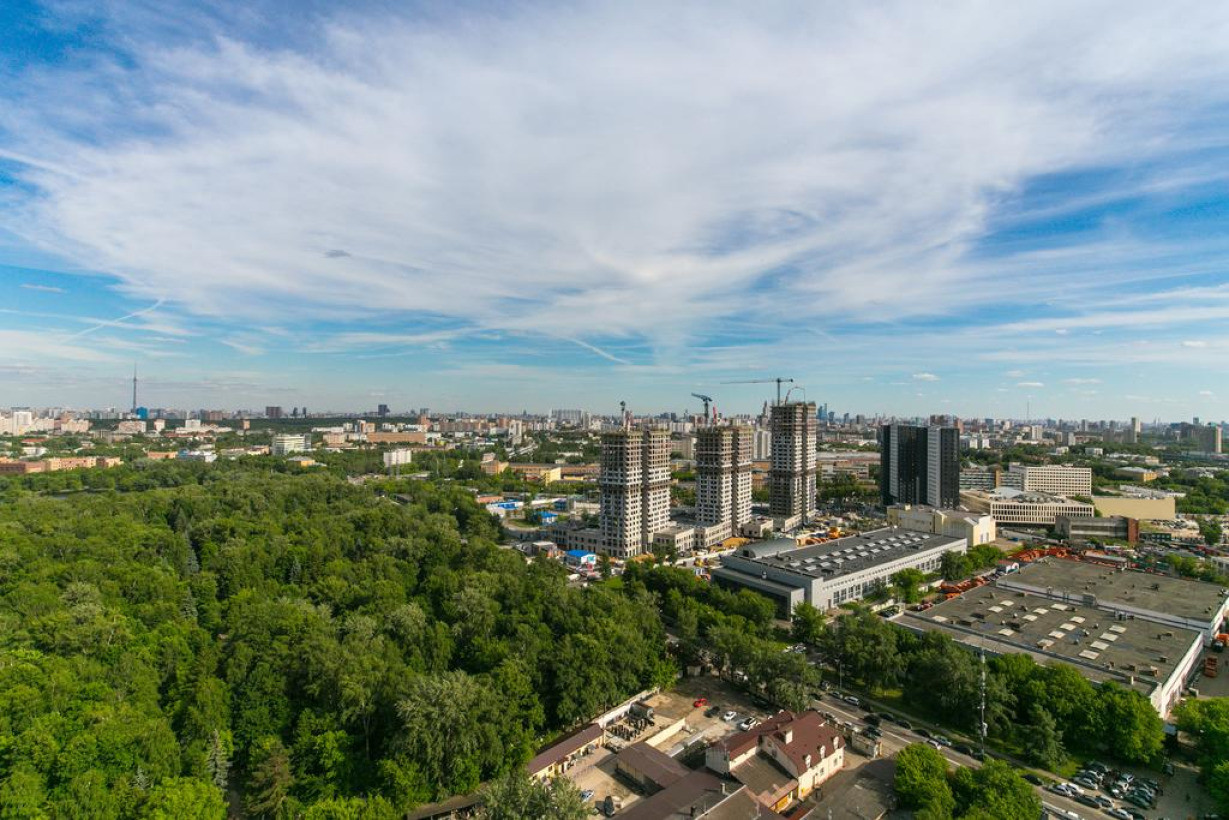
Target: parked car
column 1034, row 779
column 586, row 795
column 924, row 733
column 1087, row 800
column 748, row 724
column 904, row 724
column 852, row 701
column 1139, row 800
column 729, row 716
column 943, row 741
column 1119, row 814
column 712, row 711
column 1086, row 782
column 872, row 720
column 963, row 749
column 699, row 702
column 1096, row 766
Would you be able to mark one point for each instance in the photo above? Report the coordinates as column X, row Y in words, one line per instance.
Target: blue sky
column 497, row 207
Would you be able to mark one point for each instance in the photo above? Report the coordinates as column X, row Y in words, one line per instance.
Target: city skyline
column 1011, row 212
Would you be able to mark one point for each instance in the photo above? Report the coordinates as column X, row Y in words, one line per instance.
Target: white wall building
column 975, row 528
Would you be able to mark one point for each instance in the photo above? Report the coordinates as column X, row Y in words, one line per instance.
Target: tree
column 921, row 781
column 807, row 625
column 1210, row 531
column 907, row 584
column 1128, row 724
column 185, row 798
column 995, row 790
column 1218, row 784
column 1042, row 740
column 269, row 782
column 955, row 566
column 515, row 796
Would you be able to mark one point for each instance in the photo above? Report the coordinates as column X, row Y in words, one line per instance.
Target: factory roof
column 843, row 556
column 1136, row 653
column 1183, row 597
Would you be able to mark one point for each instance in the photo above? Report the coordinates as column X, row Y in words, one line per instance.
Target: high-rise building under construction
column 723, row 475
column 791, row 476
column 635, row 487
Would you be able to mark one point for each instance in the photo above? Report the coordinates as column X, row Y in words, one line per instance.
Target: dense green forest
column 175, row 637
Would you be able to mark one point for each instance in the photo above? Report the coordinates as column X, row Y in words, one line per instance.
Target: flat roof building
column 1152, row 659
column 829, row 574
column 1011, row 506
column 1162, row 599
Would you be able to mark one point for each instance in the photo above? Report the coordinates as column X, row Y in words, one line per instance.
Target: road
column 896, row 738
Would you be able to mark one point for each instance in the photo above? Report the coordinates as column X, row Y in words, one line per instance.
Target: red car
column 700, row 702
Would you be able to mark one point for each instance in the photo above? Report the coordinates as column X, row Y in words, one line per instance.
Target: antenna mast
column 134, row 388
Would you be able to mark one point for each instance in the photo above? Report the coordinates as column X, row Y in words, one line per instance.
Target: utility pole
column 982, row 723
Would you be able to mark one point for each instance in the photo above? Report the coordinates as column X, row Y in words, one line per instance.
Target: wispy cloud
column 1030, row 384
column 43, row 288
column 925, row 377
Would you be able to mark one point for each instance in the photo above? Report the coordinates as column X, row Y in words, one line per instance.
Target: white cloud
column 1030, row 384
column 1015, row 374
column 1194, row 343
column 925, row 377
column 44, row 288
column 1206, row 393
column 1081, row 381
column 605, row 172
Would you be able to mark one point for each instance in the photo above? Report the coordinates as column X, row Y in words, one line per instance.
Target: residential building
column 761, row 445
column 1031, row 509
column 1054, row 479
column 829, row 574
column 782, row 760
column 919, row 465
column 975, row 529
column 723, row 475
column 1207, row 437
column 635, row 489
column 273, row 412
column 791, row 478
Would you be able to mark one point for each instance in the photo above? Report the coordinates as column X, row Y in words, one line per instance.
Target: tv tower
column 134, row 388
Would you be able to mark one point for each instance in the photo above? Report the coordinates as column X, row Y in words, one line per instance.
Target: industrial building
column 1115, row 528
column 1181, row 603
column 829, row 574
column 791, row 478
column 635, row 489
column 1154, row 660
column 1141, row 508
column 919, row 465
column 723, row 475
column 974, row 528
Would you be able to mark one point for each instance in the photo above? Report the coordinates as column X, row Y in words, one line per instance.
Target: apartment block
column 635, row 489
column 723, row 475
column 1054, row 479
column 791, row 477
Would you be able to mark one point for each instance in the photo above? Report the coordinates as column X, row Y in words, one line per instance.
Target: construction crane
column 707, row 400
column 779, row 381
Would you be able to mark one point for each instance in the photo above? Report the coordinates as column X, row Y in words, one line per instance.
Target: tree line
column 194, row 634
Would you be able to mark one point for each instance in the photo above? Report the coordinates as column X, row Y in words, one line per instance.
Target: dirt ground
column 600, row 779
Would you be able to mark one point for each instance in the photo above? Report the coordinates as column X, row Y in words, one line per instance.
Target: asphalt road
column 896, row 738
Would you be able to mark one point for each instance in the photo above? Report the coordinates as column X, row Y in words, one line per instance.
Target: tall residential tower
column 723, row 475
column 635, row 487
column 791, row 476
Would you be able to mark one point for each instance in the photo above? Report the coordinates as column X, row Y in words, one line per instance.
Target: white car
column 728, row 716
column 748, row 723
